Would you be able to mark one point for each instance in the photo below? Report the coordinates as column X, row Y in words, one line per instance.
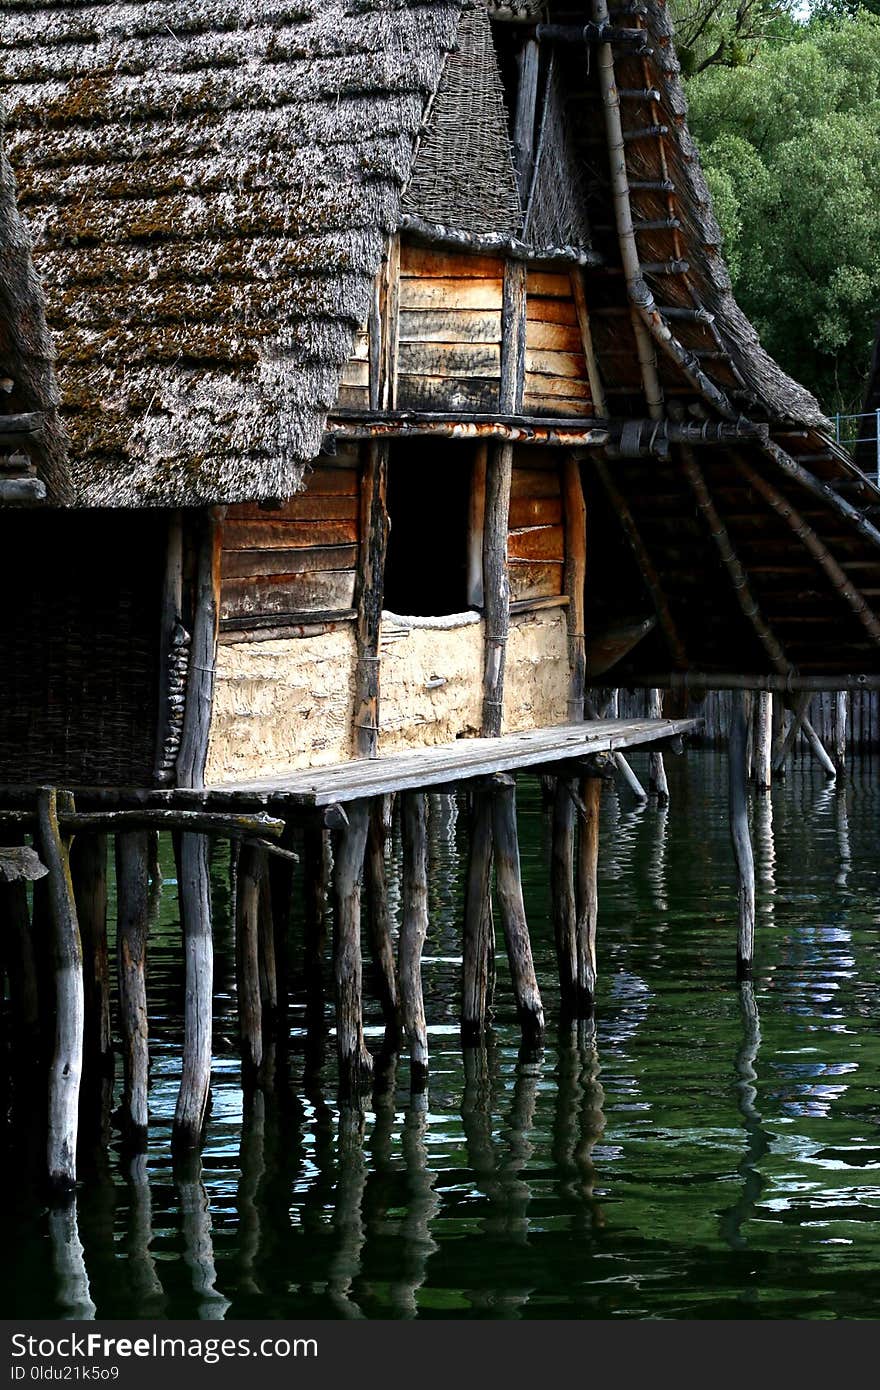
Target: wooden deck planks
column 454, row 762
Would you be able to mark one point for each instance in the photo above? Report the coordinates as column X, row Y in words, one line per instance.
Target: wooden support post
column 564, row 904
column 587, row 895
column 132, row 897
column 251, row 865
column 268, row 962
column 778, row 734
column 840, row 733
column 193, row 754
column 513, row 915
column 496, row 585
column 739, row 832
column 374, row 546
column 379, row 916
column 316, row 855
column 280, row 874
column 818, row 749
column 413, row 930
column 65, row 1071
column 763, row 740
column 194, row 891
column 88, row 870
column 524, row 119
column 479, row 934
column 355, row 1062
column 657, row 783
column 782, row 749
column 575, row 583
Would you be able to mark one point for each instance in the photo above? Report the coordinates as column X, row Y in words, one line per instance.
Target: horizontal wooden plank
column 553, row 337
column 356, row 372
column 529, row 580
column 353, row 398
column 541, row 309
column 537, row 543
column 557, row 406
column 450, row 326
column 429, row 261
column 239, row 563
column 326, row 480
column 535, row 511
column 450, row 294
column 534, row 482
column 287, row 535
column 569, row 365
column 446, row 393
column 304, row 506
column 541, row 384
column 449, row 359
column 448, row 763
column 551, row 284
column 287, row 593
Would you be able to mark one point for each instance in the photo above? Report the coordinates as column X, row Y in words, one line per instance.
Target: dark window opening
column 429, row 487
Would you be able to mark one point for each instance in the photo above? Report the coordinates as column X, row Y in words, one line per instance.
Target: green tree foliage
column 791, row 149
column 728, row 33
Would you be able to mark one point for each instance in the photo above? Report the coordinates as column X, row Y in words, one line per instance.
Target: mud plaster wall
column 287, row 704
column 281, row 705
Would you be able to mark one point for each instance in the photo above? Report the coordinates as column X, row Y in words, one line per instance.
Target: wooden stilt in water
column 479, row 934
column 564, row 905
column 154, row 863
column 819, row 750
column 316, row 856
column 194, row 889
column 840, row 733
column 88, row 870
column 413, row 930
column 355, row 1062
column 739, row 832
column 66, row 1068
column 251, row 863
column 268, row 961
column 763, row 740
column 587, row 896
column 281, row 883
column 778, row 734
column 513, row 915
column 379, row 917
column 657, row 784
column 132, row 895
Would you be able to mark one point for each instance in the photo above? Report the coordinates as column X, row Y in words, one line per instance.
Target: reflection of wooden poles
column 355, row 1062
column 348, row 1216
column 66, row 1068
column 739, row 831
column 68, row 1261
column 143, row 1280
column 516, row 933
column 132, row 894
column 413, row 930
column 198, row 1243
column 194, row 891
column 422, row 1206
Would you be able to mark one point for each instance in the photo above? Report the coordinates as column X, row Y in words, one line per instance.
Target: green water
column 700, row 1152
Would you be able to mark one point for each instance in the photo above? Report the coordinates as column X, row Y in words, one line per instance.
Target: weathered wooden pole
column 818, row 749
column 840, row 701
column 65, row 1072
column 194, row 892
column 513, row 915
column 657, row 783
column 587, row 895
column 763, row 761
column 563, row 902
column 778, row 734
column 379, row 918
column 478, row 959
column 355, row 1062
column 268, row 960
column 413, row 930
column 251, row 865
column 88, row 870
column 316, row 856
column 739, row 832
column 132, row 922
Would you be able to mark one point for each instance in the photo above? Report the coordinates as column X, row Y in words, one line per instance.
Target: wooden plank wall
column 536, row 539
column 557, row 382
column 298, row 560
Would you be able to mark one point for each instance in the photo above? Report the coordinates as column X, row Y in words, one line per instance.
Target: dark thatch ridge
column 26, row 352
column 209, row 188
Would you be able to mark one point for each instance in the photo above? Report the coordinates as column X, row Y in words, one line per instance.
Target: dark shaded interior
column 429, row 484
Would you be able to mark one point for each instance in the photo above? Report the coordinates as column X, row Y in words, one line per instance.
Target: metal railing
column 849, row 431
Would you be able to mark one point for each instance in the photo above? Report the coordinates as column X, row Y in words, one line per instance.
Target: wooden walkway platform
column 448, row 763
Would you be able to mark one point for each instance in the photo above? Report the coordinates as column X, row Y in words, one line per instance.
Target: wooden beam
column 496, row 585
column 524, row 118
column 575, row 513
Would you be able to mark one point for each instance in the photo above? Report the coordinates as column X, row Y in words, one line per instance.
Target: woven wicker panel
column 557, row 212
column 463, row 175
column 79, row 627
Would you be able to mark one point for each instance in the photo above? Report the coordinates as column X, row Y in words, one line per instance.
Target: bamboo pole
column 513, row 916
column 194, row 891
column 587, row 896
column 251, row 866
column 132, row 896
column 65, row 1072
column 355, row 1062
column 413, row 930
column 739, row 833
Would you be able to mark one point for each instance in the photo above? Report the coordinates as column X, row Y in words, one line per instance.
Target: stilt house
column 402, row 389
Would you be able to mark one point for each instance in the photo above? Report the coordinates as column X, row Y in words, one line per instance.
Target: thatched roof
column 26, row 352
column 209, row 184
